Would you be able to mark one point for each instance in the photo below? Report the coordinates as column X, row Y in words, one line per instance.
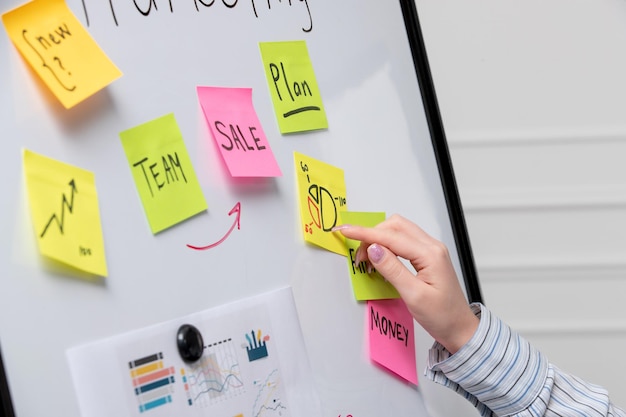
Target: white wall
column 533, row 98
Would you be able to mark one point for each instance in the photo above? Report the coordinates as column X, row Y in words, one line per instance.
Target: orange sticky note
column 60, row 50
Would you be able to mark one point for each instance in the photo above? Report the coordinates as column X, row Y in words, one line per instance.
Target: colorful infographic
column 153, row 382
column 60, row 50
column 215, row 377
column 321, row 197
column 66, row 217
column 163, row 173
column 290, row 77
column 235, row 375
column 256, row 347
column 142, row 373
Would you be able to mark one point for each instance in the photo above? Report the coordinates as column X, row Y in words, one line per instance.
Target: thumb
column 392, row 269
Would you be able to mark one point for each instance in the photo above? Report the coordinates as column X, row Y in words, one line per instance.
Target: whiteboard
column 389, row 143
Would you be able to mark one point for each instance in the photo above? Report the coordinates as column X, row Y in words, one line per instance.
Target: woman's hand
column 432, row 292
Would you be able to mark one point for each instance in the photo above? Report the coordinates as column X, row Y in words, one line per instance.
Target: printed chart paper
column 60, row 50
column 291, row 80
column 237, row 131
column 163, row 174
column 254, row 363
column 66, row 217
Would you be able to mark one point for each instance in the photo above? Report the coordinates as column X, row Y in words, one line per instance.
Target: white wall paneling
column 533, row 98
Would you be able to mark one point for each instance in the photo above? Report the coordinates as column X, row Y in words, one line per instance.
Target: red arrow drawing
column 236, row 209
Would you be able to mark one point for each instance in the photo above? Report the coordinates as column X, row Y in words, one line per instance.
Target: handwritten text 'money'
column 388, row 327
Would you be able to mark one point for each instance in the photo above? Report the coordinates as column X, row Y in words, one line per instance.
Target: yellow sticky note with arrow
column 64, row 208
column 60, row 50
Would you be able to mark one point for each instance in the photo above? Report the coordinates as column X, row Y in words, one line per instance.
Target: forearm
column 499, row 371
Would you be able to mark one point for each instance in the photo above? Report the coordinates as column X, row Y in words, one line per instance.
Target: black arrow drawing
column 64, row 203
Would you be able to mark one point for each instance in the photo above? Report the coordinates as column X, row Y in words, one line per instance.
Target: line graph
column 216, row 377
column 64, row 203
column 268, row 399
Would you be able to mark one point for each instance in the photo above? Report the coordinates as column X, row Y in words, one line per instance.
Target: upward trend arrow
column 64, row 204
column 236, row 209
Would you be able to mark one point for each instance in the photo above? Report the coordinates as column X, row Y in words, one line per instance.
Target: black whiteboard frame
column 444, row 163
column 440, row 147
column 6, row 406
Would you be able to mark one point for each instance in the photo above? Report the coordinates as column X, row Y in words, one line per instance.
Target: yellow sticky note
column 164, row 176
column 64, row 208
column 297, row 99
column 321, row 198
column 366, row 286
column 60, row 50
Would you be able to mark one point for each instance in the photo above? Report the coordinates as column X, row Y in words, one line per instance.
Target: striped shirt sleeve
column 503, row 375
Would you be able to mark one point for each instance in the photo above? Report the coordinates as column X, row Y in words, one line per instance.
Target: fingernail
column 358, row 258
column 340, row 227
column 375, row 252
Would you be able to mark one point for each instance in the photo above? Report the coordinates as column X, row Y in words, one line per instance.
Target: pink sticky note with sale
column 237, row 131
column 391, row 337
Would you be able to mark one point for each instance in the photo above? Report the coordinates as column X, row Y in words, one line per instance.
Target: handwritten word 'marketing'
column 145, row 7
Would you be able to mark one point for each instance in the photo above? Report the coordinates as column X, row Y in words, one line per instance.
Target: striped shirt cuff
column 497, row 369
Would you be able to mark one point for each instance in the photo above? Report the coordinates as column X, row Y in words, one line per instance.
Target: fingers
column 432, row 292
column 387, row 232
column 394, row 271
column 400, row 236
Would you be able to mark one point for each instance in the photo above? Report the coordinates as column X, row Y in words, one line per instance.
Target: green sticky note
column 297, row 99
column 163, row 174
column 366, row 286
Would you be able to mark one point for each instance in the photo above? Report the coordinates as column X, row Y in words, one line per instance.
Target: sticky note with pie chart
column 321, row 198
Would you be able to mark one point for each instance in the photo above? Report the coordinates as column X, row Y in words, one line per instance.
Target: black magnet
column 189, row 342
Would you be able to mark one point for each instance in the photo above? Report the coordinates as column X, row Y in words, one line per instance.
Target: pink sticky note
column 391, row 337
column 237, row 131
